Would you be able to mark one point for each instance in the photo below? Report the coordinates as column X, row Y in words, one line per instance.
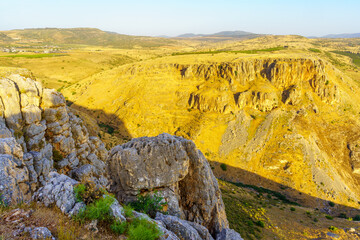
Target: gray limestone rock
column 228, row 234
column 39, row 233
column 173, row 166
column 180, row 228
column 59, row 190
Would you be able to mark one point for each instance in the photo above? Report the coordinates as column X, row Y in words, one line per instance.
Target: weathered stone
column 167, row 235
column 177, row 170
column 200, row 195
column 13, row 178
column 11, row 100
column 80, row 206
column 58, row 190
column 147, row 163
column 11, row 147
column 117, row 211
column 51, row 98
column 82, row 173
column 31, row 114
column 203, row 231
column 228, row 234
column 39, row 233
column 180, row 228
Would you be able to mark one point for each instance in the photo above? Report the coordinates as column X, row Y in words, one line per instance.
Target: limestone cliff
column 41, row 133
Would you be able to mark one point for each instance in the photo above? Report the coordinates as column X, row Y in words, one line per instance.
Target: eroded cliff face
column 280, row 79
column 290, row 120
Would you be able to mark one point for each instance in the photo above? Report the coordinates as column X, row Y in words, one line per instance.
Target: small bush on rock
column 99, row 210
column 119, row 227
column 88, row 192
column 79, row 191
column 149, row 204
column 141, row 229
column 57, row 156
column 128, row 211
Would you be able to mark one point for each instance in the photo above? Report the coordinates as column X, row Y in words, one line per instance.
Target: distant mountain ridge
column 219, row 34
column 344, row 35
column 85, row 36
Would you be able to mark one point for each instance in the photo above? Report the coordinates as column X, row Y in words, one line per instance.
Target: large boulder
column 147, row 163
column 177, row 169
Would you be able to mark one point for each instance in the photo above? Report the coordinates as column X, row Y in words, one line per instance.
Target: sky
column 171, row 18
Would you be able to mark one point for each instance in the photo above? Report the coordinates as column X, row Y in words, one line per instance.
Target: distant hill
column 344, row 35
column 86, row 36
column 231, row 34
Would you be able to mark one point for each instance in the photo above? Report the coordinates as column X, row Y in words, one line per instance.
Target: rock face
column 39, row 133
column 184, row 229
column 228, row 234
column 13, row 172
column 59, row 190
column 177, row 169
column 354, row 148
column 284, row 78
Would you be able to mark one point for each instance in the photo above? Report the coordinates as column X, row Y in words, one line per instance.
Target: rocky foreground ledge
column 46, row 151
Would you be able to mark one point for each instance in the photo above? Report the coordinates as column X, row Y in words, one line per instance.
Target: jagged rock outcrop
column 228, row 234
column 59, row 190
column 14, row 175
column 354, row 148
column 174, row 167
column 286, row 76
column 39, row 233
column 39, row 133
column 184, row 229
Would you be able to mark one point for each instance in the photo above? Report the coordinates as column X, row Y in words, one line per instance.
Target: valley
column 279, row 113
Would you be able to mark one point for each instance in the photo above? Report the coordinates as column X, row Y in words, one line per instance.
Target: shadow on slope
column 259, row 208
column 246, row 179
column 113, row 129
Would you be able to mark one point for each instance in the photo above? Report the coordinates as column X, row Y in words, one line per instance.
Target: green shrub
column 333, row 228
column 18, row 133
column 141, row 229
column 149, row 204
column 88, row 192
column 99, row 210
column 57, row 156
column 316, row 220
column 292, row 209
column 357, row 218
column 109, row 129
column 260, row 223
column 79, row 191
column 342, row 215
column 119, row 227
column 223, row 166
column 314, row 50
column 331, row 204
column 128, row 211
column 329, row 217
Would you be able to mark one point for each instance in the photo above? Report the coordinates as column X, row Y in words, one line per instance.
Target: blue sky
column 304, row 17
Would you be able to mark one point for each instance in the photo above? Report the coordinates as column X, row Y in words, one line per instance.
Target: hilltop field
column 276, row 116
